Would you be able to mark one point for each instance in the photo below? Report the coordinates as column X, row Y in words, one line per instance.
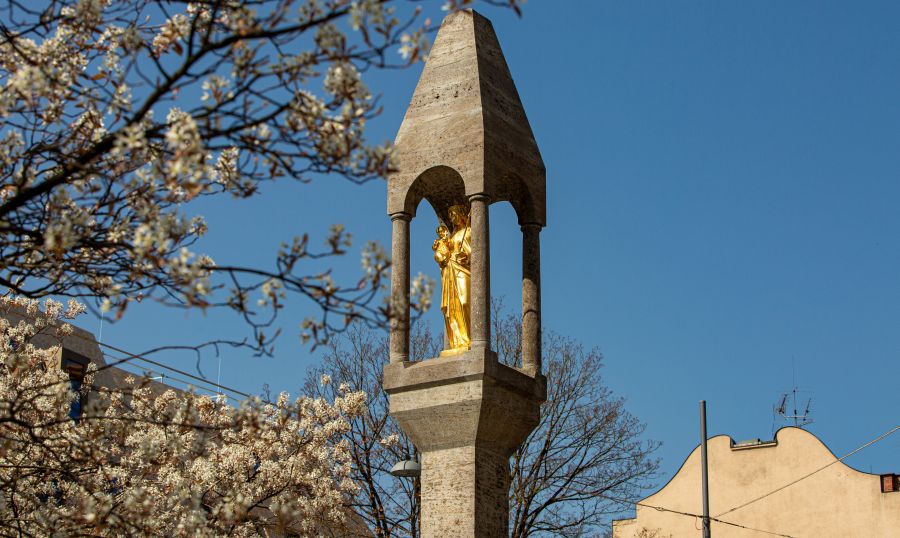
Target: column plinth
column 466, row 415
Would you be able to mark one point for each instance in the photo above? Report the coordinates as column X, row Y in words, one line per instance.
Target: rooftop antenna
column 219, row 377
column 787, row 408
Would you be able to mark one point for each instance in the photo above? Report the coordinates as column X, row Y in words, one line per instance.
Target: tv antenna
column 789, row 405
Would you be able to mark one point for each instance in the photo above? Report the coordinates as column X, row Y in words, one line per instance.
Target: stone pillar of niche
column 399, row 287
column 480, row 265
column 531, row 298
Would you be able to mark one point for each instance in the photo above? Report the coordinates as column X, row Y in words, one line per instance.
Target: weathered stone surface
column 480, row 304
column 473, row 364
column 399, row 287
column 531, row 298
column 459, row 486
column 465, row 131
column 466, row 414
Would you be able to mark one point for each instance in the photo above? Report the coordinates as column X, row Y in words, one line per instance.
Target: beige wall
column 835, row 502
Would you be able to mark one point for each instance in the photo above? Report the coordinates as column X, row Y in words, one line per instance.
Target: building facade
column 790, row 486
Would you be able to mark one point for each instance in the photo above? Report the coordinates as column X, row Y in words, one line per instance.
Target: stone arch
column 442, row 186
column 516, row 191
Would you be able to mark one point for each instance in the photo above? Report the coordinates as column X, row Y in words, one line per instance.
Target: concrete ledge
column 475, row 364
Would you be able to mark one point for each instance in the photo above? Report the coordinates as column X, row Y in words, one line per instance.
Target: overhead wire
column 129, row 356
column 804, row 477
column 165, row 376
column 135, row 356
column 689, row 514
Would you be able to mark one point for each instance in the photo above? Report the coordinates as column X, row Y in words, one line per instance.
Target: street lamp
column 407, row 469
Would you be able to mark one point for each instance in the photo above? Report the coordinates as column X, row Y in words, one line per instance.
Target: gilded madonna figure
column 452, row 252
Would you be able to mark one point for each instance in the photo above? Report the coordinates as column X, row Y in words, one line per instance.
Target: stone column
column 531, row 298
column 466, row 414
column 399, row 287
column 480, row 265
column 465, row 493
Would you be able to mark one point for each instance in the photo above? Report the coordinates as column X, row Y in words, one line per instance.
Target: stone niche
column 465, row 139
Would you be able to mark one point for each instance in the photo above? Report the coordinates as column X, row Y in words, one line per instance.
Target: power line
column 804, row 477
column 698, row 516
column 133, row 356
column 129, row 356
column 161, row 365
column 162, row 374
column 717, row 520
column 187, row 383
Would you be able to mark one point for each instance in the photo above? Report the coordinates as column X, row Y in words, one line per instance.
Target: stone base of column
column 466, row 414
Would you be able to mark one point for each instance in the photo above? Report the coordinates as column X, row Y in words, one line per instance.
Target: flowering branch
column 118, row 116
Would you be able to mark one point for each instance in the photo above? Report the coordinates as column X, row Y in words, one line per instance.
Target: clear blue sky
column 723, row 198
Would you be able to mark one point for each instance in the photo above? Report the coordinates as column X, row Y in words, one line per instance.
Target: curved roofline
column 680, row 467
column 821, row 442
column 775, row 438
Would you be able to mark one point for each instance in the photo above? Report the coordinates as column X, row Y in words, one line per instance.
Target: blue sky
column 723, row 198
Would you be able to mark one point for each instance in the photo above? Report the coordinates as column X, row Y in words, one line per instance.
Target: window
column 75, row 365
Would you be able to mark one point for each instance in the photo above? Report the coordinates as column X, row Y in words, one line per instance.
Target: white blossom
column 117, row 118
column 176, row 464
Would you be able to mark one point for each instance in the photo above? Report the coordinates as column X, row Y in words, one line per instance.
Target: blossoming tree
column 116, row 115
column 116, row 118
column 136, row 464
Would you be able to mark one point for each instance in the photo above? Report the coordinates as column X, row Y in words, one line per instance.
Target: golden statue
column 452, row 252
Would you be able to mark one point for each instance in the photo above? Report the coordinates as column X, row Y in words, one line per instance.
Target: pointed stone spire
column 465, row 131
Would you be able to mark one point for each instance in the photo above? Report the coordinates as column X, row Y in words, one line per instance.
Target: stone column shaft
column 465, row 493
column 480, row 265
column 399, row 287
column 531, row 298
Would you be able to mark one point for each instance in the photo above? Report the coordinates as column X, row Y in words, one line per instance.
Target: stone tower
column 465, row 140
